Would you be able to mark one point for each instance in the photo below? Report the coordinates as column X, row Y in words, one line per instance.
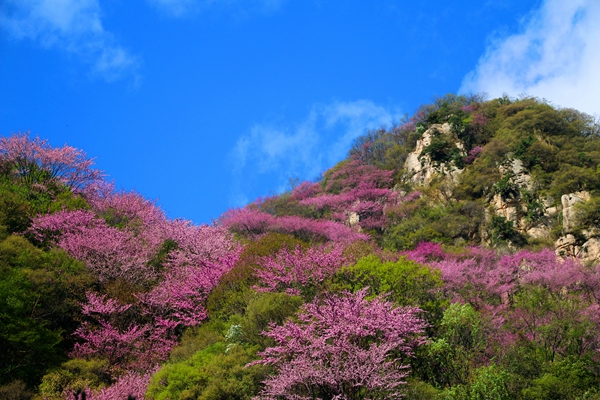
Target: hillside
column 452, row 256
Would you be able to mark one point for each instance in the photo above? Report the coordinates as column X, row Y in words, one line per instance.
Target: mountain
column 451, row 256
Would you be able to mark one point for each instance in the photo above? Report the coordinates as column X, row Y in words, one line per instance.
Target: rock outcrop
column 568, row 211
column 585, row 243
column 421, row 169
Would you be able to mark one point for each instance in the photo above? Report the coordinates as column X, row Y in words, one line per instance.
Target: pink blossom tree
column 130, row 385
column 252, row 222
column 296, row 270
column 344, row 347
column 34, row 161
column 111, row 332
column 352, row 173
column 108, row 252
column 526, row 296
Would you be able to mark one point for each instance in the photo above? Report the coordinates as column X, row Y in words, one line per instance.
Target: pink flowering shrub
column 533, row 296
column 165, row 269
column 34, row 161
column 351, row 189
column 350, row 174
column 108, row 252
column 478, row 273
column 181, row 296
column 473, row 154
column 344, row 347
column 131, row 384
column 144, row 337
column 253, row 222
column 305, row 190
column 111, row 332
column 296, row 270
column 366, row 200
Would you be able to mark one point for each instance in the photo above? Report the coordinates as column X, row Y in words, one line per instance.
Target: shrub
column 345, row 347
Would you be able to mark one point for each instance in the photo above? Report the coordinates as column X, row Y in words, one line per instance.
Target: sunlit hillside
column 451, row 256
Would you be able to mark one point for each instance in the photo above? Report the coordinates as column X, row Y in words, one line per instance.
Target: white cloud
column 555, row 56
column 305, row 149
column 73, row 26
column 180, row 8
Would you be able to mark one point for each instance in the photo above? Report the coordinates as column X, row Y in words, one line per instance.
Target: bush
column 217, row 372
column 404, row 282
column 267, row 309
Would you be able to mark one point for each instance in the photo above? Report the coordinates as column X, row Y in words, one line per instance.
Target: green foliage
column 569, row 378
column 197, row 338
column 416, row 389
column 479, row 178
column 19, row 204
column 413, row 225
column 555, row 324
column 217, row 372
column 449, row 358
column 534, row 206
column 506, row 188
column 40, row 293
column 503, row 230
column 75, row 374
column 442, row 149
column 488, row 383
column 405, row 282
column 264, row 310
column 588, row 213
column 444, row 108
column 421, row 221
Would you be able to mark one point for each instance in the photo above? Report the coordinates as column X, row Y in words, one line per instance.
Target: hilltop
column 451, row 256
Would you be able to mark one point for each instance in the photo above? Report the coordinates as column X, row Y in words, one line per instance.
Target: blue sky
column 205, row 105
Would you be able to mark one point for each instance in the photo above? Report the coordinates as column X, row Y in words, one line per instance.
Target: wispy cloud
column 179, row 8
column 555, row 56
column 276, row 152
column 73, row 26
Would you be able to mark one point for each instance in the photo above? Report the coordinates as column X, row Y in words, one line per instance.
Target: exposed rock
column 539, row 231
column 507, row 208
column 568, row 211
column 566, row 246
column 590, row 251
column 421, row 169
column 518, row 173
column 353, row 218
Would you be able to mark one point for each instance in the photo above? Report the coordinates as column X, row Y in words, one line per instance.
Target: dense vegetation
column 367, row 284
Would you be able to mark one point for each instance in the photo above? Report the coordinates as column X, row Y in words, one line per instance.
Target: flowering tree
column 527, row 296
column 34, row 161
column 108, row 252
column 144, row 337
column 112, row 333
column 293, row 270
column 343, row 348
column 350, row 174
column 481, row 275
column 253, row 222
column 131, row 385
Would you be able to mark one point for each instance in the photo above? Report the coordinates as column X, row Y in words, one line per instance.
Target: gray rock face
column 590, row 251
column 568, row 201
column 518, row 173
column 568, row 245
column 508, row 209
column 420, row 167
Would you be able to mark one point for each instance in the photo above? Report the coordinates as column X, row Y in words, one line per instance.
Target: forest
column 453, row 255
